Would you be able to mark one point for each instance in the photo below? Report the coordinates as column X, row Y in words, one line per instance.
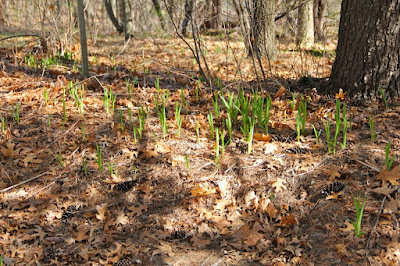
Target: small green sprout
column 359, row 212
column 99, row 159
column 388, row 160
column 371, row 128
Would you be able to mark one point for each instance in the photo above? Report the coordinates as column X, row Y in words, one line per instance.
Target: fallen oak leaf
column 279, row 92
column 288, row 220
column 9, row 151
column 279, row 185
column 202, row 190
column 31, row 159
column 391, row 176
column 101, row 209
column 261, row 137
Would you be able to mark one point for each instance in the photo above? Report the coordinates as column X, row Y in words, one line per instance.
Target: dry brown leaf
column 288, row 220
column 101, row 209
column 279, row 92
column 150, row 154
column 82, row 233
column 164, row 248
column 145, row 187
column 384, row 190
column 202, row 190
column 340, row 95
column 113, row 179
column 341, row 248
column 392, row 176
column 349, row 227
column 31, row 159
column 333, row 172
column 198, row 242
column 122, row 219
column 9, row 151
column 279, row 185
column 262, row 137
column 272, row 212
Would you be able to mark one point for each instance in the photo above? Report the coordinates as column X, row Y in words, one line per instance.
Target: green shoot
column 293, row 101
column 383, row 98
column 359, row 212
column 215, row 104
column 371, row 128
column 250, row 136
column 187, row 163
column 83, row 132
column 106, row 100
column 121, row 120
column 197, row 93
column 45, row 95
column 129, row 114
column 216, row 148
column 157, row 84
column 163, row 117
column 178, row 118
column 59, row 157
column 128, row 86
column 198, row 130
column 99, row 159
column 113, row 170
column 229, row 126
column 343, row 144
column 211, row 123
column 15, row 112
column 64, row 111
column 135, row 130
column 78, row 97
column 142, row 118
column 183, row 97
column 388, row 160
column 317, row 134
column 327, row 133
column 267, row 115
column 3, row 124
column 84, row 164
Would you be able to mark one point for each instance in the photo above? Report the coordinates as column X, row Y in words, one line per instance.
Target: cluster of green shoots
column 49, row 61
column 254, row 113
column 339, row 122
column 109, row 100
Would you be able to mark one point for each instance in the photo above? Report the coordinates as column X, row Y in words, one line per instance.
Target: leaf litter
column 164, row 198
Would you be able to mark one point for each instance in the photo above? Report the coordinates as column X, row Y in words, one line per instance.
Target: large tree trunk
column 319, row 13
column 157, row 7
column 368, row 52
column 305, row 33
column 264, row 28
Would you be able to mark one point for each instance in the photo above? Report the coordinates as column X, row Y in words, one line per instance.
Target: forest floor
column 79, row 185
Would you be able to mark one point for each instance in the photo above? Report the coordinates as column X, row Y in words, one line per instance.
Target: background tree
column 368, row 52
column 305, row 34
column 216, row 20
column 82, row 31
column 319, row 14
column 263, row 34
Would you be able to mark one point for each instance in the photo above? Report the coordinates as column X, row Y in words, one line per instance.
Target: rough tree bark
column 305, row 34
column 188, row 15
column 368, row 52
column 82, row 31
column 128, row 23
column 2, row 13
column 264, row 28
column 216, row 19
column 319, row 13
column 157, row 7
